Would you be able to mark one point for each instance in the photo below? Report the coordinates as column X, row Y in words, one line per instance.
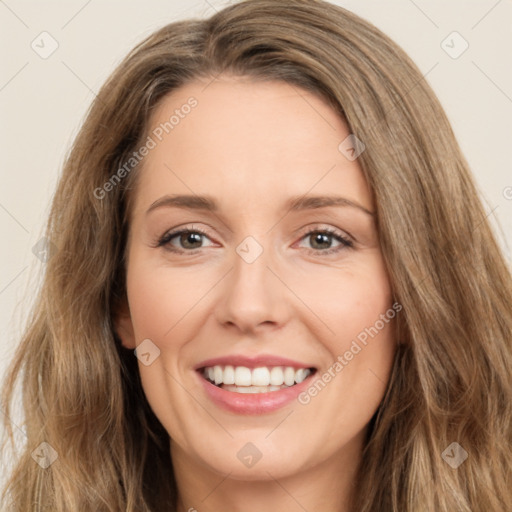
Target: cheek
column 350, row 301
column 162, row 306
column 160, row 298
column 357, row 307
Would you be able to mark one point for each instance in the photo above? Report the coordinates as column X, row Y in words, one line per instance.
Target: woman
column 367, row 374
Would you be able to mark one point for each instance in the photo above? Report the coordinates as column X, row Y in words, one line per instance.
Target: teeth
column 217, row 374
column 276, row 376
column 229, row 375
column 301, row 374
column 260, row 377
column 264, row 378
column 242, row 375
column 289, row 376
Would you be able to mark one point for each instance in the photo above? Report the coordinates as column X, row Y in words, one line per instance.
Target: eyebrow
column 296, row 203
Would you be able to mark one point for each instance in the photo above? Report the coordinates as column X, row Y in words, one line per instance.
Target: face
column 267, row 279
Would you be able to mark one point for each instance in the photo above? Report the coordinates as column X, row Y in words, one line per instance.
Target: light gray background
column 42, row 102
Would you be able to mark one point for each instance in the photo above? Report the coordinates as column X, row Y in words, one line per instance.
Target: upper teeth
column 262, row 376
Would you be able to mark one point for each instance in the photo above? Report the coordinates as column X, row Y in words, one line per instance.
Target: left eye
column 323, row 240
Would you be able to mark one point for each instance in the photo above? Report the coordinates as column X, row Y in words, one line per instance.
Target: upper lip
column 252, row 361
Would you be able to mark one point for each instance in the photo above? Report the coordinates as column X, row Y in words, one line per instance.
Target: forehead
column 245, row 141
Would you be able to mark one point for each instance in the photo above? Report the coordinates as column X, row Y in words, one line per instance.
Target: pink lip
column 253, row 403
column 252, row 362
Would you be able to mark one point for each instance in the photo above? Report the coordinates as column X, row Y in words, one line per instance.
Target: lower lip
column 253, row 403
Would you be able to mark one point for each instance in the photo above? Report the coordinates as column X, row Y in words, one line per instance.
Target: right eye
column 188, row 240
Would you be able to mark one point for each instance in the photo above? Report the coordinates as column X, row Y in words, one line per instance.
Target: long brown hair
column 451, row 381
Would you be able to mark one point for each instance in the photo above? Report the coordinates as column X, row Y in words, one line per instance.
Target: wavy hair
column 451, row 380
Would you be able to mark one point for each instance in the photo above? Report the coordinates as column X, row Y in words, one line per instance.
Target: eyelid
column 319, row 227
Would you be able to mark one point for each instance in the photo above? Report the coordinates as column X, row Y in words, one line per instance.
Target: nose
column 253, row 297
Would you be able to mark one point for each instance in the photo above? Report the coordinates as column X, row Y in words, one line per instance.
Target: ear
column 124, row 327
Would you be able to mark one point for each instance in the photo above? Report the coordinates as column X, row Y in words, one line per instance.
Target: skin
column 251, row 146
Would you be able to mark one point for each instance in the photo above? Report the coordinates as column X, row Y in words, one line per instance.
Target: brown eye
column 190, row 239
column 184, row 240
column 321, row 241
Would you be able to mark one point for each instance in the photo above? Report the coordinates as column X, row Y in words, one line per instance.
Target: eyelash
column 345, row 243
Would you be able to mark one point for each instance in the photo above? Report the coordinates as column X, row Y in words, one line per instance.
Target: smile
column 255, row 384
column 264, row 379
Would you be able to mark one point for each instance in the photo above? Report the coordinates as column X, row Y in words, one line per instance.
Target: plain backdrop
column 43, row 99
